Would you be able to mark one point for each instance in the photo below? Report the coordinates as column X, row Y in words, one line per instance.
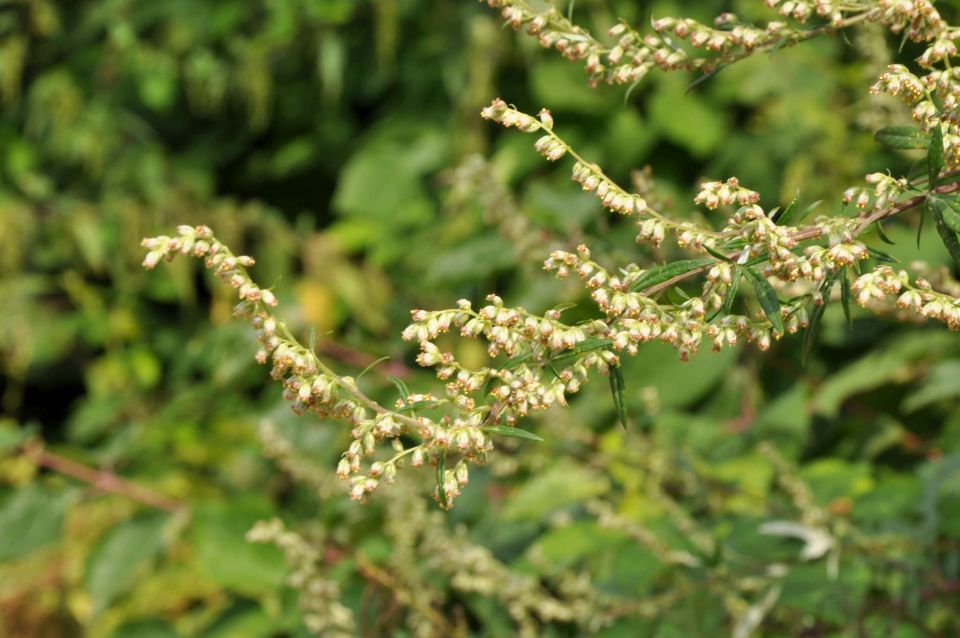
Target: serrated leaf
column 790, row 212
column 948, row 236
column 845, row 296
column 617, row 388
column 502, row 430
column 815, row 316
column 935, row 158
column 901, row 137
column 767, row 297
column 660, row 274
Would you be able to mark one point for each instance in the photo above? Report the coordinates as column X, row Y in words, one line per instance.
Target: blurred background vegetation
column 339, row 141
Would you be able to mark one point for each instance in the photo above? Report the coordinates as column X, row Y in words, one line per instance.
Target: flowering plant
column 765, row 273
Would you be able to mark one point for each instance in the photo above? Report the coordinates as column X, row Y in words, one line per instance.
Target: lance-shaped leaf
column 767, row 297
column 587, row 345
column 660, row 274
column 948, row 236
column 441, row 477
column 810, row 334
column 883, row 235
column 935, row 158
column 503, row 430
column 845, row 296
column 789, row 213
column 617, row 388
column 902, row 137
column 730, row 297
column 948, row 210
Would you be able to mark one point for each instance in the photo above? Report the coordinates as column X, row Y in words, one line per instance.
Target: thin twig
column 100, row 479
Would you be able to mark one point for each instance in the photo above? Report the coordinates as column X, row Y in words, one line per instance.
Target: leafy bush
column 805, row 490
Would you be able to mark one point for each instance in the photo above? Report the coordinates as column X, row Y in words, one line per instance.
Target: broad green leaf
column 942, row 382
column 616, row 388
column 506, row 430
column 562, row 484
column 660, row 274
column 767, row 297
column 122, row 557
column 878, row 367
column 901, row 137
column 935, row 158
column 218, row 539
column 30, row 517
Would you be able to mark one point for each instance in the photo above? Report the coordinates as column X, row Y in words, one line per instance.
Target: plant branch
column 100, row 479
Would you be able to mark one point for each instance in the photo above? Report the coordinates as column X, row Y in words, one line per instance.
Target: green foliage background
column 340, row 143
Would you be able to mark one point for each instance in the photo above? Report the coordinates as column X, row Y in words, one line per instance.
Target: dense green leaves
column 123, row 557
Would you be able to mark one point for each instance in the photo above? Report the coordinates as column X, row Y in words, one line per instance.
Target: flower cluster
column 873, row 288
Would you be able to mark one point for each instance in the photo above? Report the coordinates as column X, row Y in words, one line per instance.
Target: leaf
column 881, row 256
column 786, row 218
column 417, row 405
column 901, row 137
column 949, row 237
column 30, row 517
column 948, row 210
column 815, row 316
column 587, row 345
column 564, row 483
column 719, row 255
column 730, row 297
column 401, row 387
column 122, row 557
column 883, row 235
column 372, row 364
column 660, row 274
column 223, row 555
column 503, row 430
column 767, row 297
column 441, row 471
column 845, row 296
column 935, row 159
column 616, row 388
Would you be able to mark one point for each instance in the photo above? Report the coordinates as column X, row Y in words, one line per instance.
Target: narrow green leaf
column 312, row 341
column 617, row 388
column 719, row 255
column 810, row 334
column 660, row 274
column 401, row 387
column 901, row 137
column 730, row 297
column 949, row 237
column 767, row 297
column 587, row 345
column 503, row 430
column 883, row 235
column 879, row 255
column 923, row 217
column 845, row 296
column 935, row 158
column 367, row 369
column 513, row 362
column 418, row 405
column 786, row 218
column 441, row 471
